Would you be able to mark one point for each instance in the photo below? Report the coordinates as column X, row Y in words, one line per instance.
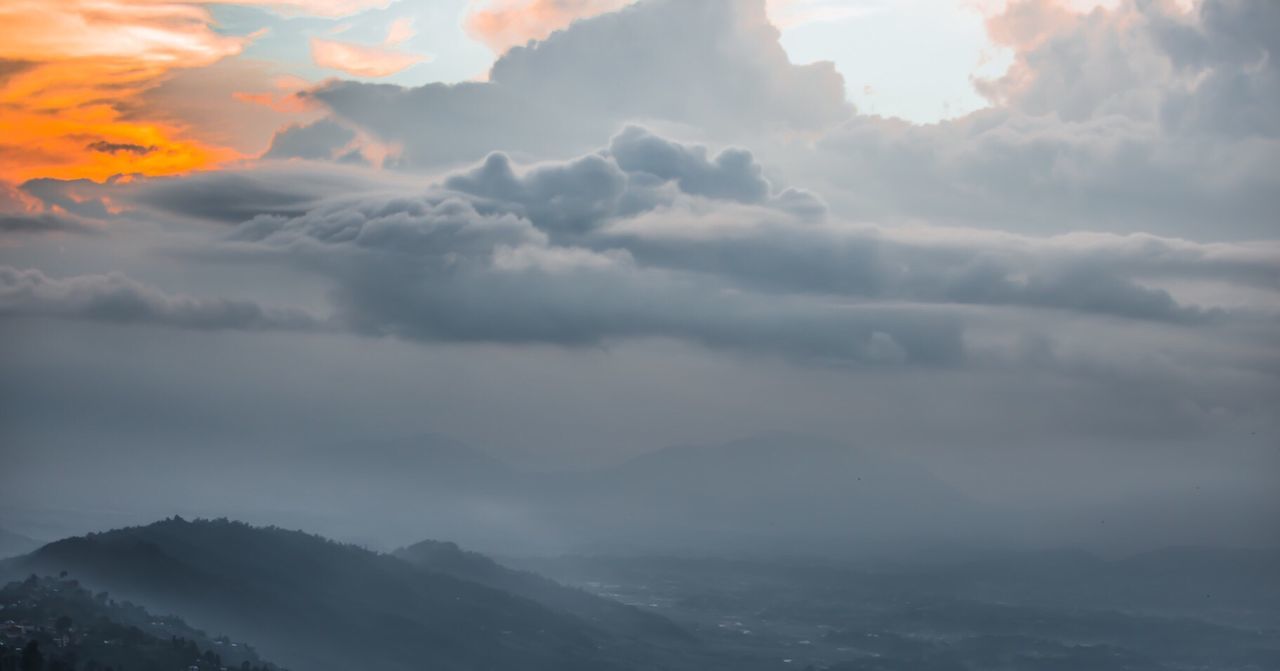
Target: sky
column 1030, row 244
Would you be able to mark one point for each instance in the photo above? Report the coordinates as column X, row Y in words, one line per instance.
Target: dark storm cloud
column 714, row 65
column 116, row 298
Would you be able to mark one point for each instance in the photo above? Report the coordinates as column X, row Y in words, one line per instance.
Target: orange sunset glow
column 72, row 74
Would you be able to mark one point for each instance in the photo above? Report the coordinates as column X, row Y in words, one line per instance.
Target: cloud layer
column 647, row 237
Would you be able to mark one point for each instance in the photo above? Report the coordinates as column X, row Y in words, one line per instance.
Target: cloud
column 867, row 263
column 647, row 237
column 116, row 298
column 1208, row 69
column 360, row 60
column 503, row 24
column 724, row 59
column 117, row 147
column 400, row 31
column 142, row 32
column 1211, row 69
column 327, row 8
column 655, row 200
column 733, row 174
column 720, row 68
column 638, row 172
column 228, row 196
column 440, row 269
column 317, row 140
column 560, row 198
column 24, row 211
column 1141, row 118
column 504, row 254
column 9, row 68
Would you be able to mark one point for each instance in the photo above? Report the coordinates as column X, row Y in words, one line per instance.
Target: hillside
column 58, row 621
column 314, row 604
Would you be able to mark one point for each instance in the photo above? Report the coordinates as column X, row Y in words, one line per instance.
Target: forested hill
column 55, row 624
column 314, row 604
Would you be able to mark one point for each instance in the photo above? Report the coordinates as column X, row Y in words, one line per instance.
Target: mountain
column 314, row 604
column 608, row 615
